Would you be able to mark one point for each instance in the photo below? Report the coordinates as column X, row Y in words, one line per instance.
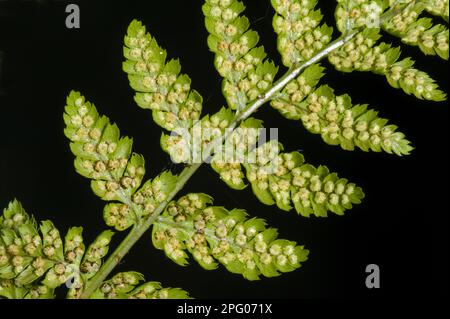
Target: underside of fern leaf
column 35, row 260
column 106, row 158
column 128, row 285
column 364, row 54
column 213, row 234
column 336, row 119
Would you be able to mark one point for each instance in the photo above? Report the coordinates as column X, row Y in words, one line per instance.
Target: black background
column 402, row 224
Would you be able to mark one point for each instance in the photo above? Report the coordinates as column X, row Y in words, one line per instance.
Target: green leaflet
column 158, row 84
column 106, row 158
column 33, row 264
column 299, row 34
column 34, row 261
column 215, row 235
column 286, row 180
column 246, row 72
column 10, row 290
column 235, row 151
column 438, row 8
column 362, row 54
column 335, row 118
column 95, row 253
column 74, row 250
column 102, row 155
column 434, row 7
column 155, row 191
column 126, row 285
column 432, row 39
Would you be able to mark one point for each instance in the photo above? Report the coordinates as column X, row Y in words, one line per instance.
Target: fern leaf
column 246, row 72
column 432, row 39
column 95, row 253
column 362, row 54
column 152, row 193
column 215, row 235
column 127, row 285
column 335, row 118
column 34, row 260
column 10, row 290
column 285, row 179
column 438, row 8
column 158, row 84
column 300, row 34
column 103, row 156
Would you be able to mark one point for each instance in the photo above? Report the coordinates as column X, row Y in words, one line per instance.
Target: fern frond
column 438, row 8
column 94, row 254
column 284, row 179
column 213, row 234
column 431, row 38
column 34, row 260
column 362, row 54
column 103, row 156
column 246, row 71
column 127, row 285
column 281, row 178
column 158, row 84
column 299, row 33
column 10, row 290
column 335, row 118
column 89, row 263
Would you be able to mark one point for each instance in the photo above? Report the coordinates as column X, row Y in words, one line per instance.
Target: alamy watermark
column 241, row 145
column 373, row 279
column 73, row 19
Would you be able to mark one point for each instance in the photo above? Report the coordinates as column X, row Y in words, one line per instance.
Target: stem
column 142, row 226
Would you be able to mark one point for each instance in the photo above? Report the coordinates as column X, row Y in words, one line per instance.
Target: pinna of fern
column 285, row 179
column 213, row 234
column 35, row 260
column 335, row 118
column 105, row 157
column 364, row 54
column 246, row 71
column 432, row 39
